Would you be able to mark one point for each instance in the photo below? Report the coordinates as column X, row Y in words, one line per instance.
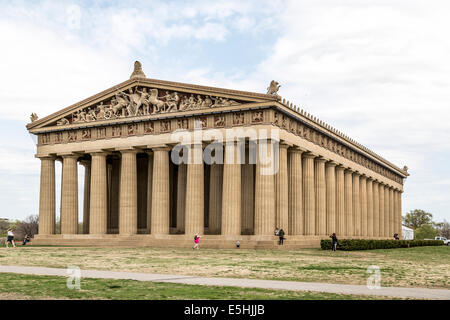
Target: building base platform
column 178, row 241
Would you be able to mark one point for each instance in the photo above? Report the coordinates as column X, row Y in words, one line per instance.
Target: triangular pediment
column 144, row 98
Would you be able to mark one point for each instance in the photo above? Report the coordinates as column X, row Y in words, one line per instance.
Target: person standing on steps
column 196, row 241
column 281, row 235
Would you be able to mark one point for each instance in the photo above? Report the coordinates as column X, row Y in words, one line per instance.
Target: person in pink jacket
column 196, row 240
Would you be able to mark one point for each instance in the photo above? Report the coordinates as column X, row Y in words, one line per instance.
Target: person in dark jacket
column 281, row 235
column 334, row 242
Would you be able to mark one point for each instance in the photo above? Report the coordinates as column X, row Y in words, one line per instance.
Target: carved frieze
column 219, row 121
column 257, row 116
column 143, row 101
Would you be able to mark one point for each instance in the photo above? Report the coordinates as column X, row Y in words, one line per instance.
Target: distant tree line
column 423, row 225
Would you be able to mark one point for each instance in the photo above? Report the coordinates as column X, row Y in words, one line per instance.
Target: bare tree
column 27, row 227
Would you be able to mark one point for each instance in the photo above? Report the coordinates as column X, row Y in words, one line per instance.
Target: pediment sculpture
column 143, row 101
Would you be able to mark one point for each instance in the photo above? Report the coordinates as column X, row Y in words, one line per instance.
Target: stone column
column 128, row 193
column 399, row 208
column 394, row 194
column 376, row 209
column 282, row 187
column 231, row 194
column 348, row 203
column 370, row 208
column 391, row 212
column 47, row 203
column 248, row 197
column 387, row 202
column 340, row 202
column 356, row 206
column 194, row 222
column 160, row 191
column 181, row 196
column 331, row 197
column 321, row 196
column 363, row 204
column 381, row 214
column 99, row 196
column 265, row 189
column 150, row 191
column 309, row 194
column 87, row 194
column 69, row 195
column 296, row 217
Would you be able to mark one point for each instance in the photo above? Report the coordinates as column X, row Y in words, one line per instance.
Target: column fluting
column 363, row 204
column 387, row 202
column 348, row 197
column 391, row 212
column 296, row 216
column 331, row 197
column 231, row 195
column 356, row 206
column 320, row 196
column 369, row 207
column 128, row 193
column 309, row 193
column 282, row 187
column 376, row 209
column 265, row 189
column 340, row 201
column 194, row 221
column 98, row 212
column 69, row 195
column 160, row 223
column 47, row 202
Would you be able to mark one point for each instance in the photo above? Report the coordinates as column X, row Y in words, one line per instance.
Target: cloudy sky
column 377, row 70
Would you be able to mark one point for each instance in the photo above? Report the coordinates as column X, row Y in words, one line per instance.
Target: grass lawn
column 408, row 267
column 18, row 286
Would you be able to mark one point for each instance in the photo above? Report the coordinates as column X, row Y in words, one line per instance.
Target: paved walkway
column 418, row 293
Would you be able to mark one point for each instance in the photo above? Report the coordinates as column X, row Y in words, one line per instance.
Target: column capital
column 310, row 155
column 331, row 163
column 285, row 145
column 295, row 149
column 69, row 155
column 127, row 150
column 45, row 157
column 321, row 159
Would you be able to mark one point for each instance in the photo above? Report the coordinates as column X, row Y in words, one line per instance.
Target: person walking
column 334, row 242
column 10, row 238
column 196, row 241
column 281, row 235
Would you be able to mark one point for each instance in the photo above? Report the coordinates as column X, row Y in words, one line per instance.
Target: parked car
column 446, row 241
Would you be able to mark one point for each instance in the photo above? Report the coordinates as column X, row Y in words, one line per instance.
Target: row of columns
column 309, row 195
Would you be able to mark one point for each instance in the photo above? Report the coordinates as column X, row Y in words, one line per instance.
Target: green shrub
column 362, row 244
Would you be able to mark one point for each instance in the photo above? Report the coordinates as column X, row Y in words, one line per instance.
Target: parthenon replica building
column 166, row 160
